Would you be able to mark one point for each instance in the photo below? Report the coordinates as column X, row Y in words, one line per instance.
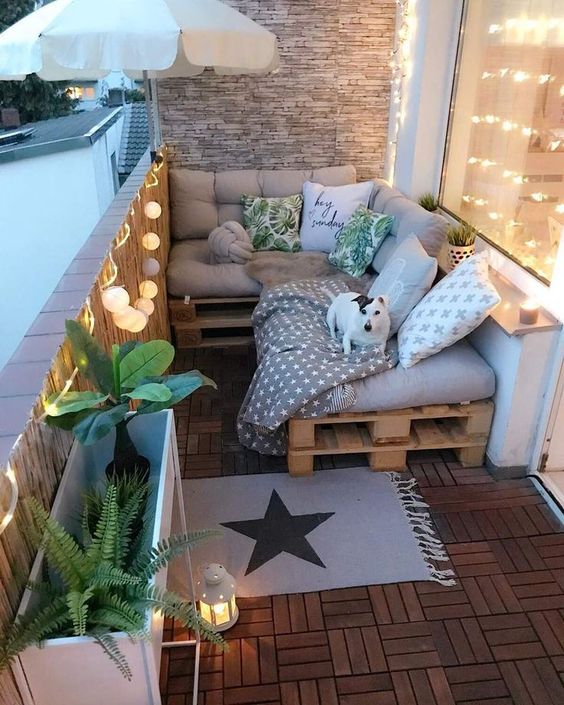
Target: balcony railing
column 114, row 254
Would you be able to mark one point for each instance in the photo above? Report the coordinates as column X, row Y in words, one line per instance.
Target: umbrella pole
column 150, row 115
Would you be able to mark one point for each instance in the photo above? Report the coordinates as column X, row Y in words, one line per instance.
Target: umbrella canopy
column 71, row 39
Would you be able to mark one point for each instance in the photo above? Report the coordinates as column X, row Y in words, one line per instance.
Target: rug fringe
column 417, row 512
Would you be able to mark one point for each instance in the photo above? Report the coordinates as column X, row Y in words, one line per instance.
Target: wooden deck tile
column 495, row 638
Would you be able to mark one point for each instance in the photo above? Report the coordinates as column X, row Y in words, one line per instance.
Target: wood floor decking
column 495, row 638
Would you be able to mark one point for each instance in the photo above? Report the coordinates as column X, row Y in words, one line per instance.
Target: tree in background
column 34, row 98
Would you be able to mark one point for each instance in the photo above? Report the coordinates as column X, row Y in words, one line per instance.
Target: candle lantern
column 216, row 595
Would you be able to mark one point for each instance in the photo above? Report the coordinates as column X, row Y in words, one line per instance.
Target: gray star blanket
column 302, row 372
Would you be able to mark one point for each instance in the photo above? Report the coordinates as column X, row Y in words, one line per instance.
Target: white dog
column 362, row 320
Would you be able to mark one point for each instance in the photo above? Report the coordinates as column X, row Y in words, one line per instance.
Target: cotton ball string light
column 115, row 299
column 139, row 323
column 151, row 241
column 151, row 267
column 130, row 319
column 153, row 210
column 148, row 289
column 145, row 305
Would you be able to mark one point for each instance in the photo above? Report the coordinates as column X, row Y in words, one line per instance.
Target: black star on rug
column 280, row 532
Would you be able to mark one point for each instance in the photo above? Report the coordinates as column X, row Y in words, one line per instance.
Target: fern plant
column 461, row 235
column 101, row 586
column 428, row 201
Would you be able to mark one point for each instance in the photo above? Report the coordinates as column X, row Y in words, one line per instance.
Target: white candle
column 529, row 312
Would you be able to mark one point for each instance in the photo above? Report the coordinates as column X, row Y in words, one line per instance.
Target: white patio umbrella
column 73, row 39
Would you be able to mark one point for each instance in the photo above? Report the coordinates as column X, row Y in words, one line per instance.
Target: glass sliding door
column 504, row 163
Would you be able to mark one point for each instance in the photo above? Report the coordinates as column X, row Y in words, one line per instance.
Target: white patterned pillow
column 327, row 209
column 451, row 310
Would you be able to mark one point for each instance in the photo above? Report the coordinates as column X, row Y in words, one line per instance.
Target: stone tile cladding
column 327, row 105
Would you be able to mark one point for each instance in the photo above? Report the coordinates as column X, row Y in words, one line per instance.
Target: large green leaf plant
column 102, row 584
column 134, row 372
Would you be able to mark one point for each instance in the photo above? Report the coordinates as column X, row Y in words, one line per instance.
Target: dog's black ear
column 363, row 301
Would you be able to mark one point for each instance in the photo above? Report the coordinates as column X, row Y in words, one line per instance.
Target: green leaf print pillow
column 273, row 223
column 359, row 240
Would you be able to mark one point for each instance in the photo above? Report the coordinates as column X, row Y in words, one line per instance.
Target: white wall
column 50, row 204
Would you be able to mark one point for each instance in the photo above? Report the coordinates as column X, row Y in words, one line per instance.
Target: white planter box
column 75, row 670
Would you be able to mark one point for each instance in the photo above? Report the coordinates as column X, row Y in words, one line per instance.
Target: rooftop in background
column 134, row 140
column 57, row 134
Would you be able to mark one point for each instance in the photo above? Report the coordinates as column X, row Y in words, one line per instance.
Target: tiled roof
column 134, row 138
column 60, row 134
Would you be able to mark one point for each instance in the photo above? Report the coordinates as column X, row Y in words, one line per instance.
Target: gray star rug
column 338, row 528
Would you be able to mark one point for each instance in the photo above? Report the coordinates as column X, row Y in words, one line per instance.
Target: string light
column 115, row 299
column 7, row 474
column 401, row 65
column 153, row 210
column 151, row 267
column 130, row 319
column 148, row 289
column 145, row 305
column 151, row 241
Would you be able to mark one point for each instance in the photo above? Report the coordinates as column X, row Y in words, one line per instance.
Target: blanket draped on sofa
column 302, row 372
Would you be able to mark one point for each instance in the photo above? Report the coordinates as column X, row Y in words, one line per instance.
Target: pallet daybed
column 386, row 436
column 212, row 322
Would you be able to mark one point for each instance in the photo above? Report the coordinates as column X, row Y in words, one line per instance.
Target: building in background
column 57, row 177
column 134, row 140
column 112, row 90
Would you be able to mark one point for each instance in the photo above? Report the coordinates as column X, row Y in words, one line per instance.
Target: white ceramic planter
column 458, row 253
column 75, row 670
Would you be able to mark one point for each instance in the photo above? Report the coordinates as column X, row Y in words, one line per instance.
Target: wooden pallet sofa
column 211, row 304
column 386, row 436
column 442, row 402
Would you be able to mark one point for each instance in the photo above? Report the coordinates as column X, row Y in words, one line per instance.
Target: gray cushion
column 454, row 375
column 409, row 217
column 193, row 213
column 406, row 277
column 202, row 200
column 190, row 273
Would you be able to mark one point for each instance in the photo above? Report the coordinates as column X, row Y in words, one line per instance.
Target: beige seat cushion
column 190, row 273
column 202, row 200
column 453, row 375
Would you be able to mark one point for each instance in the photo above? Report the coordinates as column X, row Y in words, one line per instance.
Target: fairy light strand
column 9, row 474
column 401, row 65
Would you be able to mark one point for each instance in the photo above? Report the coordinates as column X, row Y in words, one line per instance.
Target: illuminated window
column 81, row 93
column 75, row 92
column 504, row 166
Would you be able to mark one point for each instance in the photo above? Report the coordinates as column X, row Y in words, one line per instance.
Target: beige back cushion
column 202, row 200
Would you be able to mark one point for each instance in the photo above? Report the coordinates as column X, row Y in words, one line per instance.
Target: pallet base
column 386, row 436
column 202, row 323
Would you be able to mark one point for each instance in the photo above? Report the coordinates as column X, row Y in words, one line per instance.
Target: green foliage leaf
column 99, row 423
column 73, row 401
column 146, row 360
column 77, row 602
column 89, row 357
column 111, row 649
column 180, row 386
column 151, row 391
column 167, row 549
column 100, row 585
column 61, row 549
column 67, row 421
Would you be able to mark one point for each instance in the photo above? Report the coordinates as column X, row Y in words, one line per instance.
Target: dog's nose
column 368, row 326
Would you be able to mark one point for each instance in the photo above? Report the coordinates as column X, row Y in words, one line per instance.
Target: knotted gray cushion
column 230, row 242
